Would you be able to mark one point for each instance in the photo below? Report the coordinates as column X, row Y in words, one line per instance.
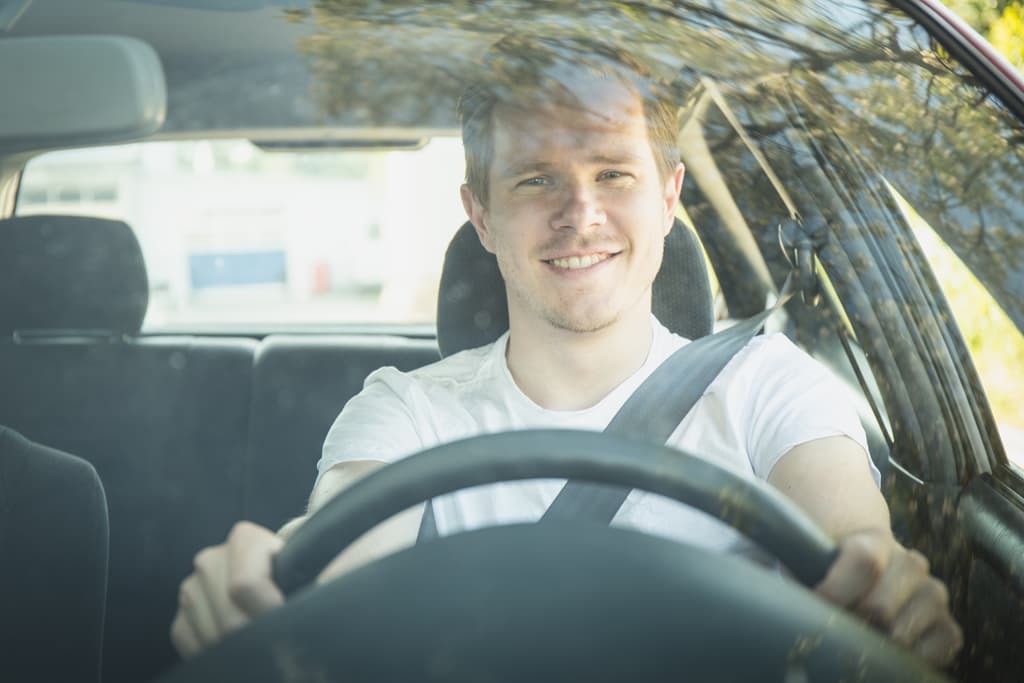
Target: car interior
column 126, row 450
column 55, row 584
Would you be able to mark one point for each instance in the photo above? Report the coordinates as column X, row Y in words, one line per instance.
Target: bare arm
column 388, row 537
column 830, row 479
column 873, row 576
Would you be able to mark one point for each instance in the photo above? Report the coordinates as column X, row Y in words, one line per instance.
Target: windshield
column 334, row 203
column 350, row 203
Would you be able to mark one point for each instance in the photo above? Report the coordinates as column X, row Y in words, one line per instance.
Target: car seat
column 53, row 578
column 163, row 419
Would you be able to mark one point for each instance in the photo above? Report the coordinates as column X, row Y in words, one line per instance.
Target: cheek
column 649, row 244
column 508, row 249
column 513, row 233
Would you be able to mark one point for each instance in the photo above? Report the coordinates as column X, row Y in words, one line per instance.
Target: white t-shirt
column 770, row 397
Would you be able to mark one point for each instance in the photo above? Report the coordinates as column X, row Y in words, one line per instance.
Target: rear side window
column 238, row 235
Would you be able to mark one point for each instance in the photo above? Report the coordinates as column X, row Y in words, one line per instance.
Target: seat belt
column 652, row 413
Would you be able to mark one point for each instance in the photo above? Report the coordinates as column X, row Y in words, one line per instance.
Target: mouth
column 580, row 262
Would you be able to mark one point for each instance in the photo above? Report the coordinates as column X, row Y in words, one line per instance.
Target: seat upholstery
column 300, row 384
column 163, row 420
column 67, row 273
column 472, row 309
column 53, row 577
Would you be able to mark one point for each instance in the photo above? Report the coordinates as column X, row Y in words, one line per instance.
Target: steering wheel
column 557, row 600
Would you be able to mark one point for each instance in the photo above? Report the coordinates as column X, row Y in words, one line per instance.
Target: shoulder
column 771, row 381
column 391, row 396
column 460, row 370
column 398, row 413
column 775, row 345
column 786, row 398
column 772, row 356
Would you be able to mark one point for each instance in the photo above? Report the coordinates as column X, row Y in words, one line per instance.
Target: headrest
column 71, row 273
column 472, row 309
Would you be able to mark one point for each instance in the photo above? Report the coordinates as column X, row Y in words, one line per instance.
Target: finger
column 928, row 605
column 858, row 567
column 213, row 573
column 183, row 637
column 251, row 549
column 905, row 576
column 941, row 643
column 194, row 605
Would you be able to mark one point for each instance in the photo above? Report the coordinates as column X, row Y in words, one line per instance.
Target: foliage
column 1000, row 21
column 1007, row 34
column 795, row 72
column 980, row 14
column 854, row 69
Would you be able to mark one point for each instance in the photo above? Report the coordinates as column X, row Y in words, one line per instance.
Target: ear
column 673, row 186
column 477, row 214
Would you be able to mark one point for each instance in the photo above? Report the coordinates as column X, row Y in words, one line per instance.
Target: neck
column 563, row 370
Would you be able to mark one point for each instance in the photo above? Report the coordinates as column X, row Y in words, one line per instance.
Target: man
column 572, row 181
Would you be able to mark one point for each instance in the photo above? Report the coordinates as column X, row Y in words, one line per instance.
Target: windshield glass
column 372, row 228
column 248, row 235
column 309, row 215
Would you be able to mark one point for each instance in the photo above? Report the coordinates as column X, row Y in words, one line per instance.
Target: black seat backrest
column 300, row 384
column 53, row 573
column 472, row 309
column 163, row 420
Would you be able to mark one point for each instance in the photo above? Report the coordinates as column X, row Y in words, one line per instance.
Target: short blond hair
column 519, row 71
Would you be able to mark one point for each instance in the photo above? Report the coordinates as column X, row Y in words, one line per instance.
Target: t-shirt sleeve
column 794, row 399
column 376, row 424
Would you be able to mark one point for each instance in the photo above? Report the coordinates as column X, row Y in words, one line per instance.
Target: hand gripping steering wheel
column 558, row 600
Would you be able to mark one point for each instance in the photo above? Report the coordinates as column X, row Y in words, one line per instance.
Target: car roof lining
column 171, row 30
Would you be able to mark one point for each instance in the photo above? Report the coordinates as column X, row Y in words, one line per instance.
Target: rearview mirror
column 68, row 91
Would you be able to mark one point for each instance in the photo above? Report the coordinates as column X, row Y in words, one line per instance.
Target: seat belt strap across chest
column 652, row 413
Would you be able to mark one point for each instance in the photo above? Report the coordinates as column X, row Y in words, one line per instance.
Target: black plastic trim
column 939, row 26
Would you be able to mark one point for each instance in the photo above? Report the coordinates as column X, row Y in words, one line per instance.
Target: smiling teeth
column 575, row 262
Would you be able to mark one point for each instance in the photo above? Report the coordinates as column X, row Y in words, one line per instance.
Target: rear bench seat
column 188, row 434
column 164, row 421
column 300, row 384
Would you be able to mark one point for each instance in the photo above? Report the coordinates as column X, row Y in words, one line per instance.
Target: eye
column 611, row 175
column 535, row 181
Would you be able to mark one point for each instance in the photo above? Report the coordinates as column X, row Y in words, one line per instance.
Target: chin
column 582, row 323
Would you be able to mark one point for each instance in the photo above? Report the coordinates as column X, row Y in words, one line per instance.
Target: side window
column 995, row 344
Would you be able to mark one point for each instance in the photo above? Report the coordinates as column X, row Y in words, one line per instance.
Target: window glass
column 235, row 234
column 995, row 344
column 871, row 96
column 815, row 102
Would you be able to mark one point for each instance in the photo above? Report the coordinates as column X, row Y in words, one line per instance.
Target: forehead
column 607, row 115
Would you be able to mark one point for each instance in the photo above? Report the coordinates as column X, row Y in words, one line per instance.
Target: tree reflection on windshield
column 860, row 71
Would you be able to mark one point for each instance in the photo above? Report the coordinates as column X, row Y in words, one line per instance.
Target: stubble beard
column 580, row 324
column 560, row 315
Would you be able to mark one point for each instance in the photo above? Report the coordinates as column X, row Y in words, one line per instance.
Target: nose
column 580, row 209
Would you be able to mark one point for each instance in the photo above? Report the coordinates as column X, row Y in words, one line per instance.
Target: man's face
column 578, row 211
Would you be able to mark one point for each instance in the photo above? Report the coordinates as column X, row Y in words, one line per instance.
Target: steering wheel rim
column 579, row 600
column 751, row 507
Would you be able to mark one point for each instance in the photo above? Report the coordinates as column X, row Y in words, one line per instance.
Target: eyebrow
column 531, row 166
column 523, row 168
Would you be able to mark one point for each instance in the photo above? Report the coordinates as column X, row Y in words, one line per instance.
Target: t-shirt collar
column 659, row 337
